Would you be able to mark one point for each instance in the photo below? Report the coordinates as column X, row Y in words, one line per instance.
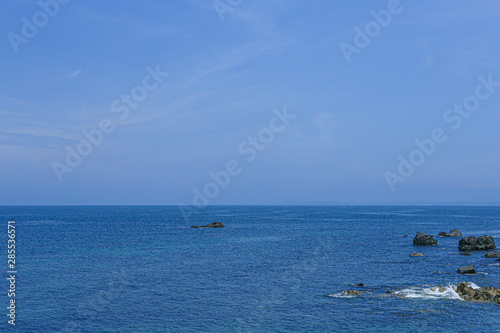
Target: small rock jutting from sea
column 493, row 254
column 452, row 233
column 424, row 240
column 482, row 243
column 487, row 294
column 211, row 225
column 467, row 270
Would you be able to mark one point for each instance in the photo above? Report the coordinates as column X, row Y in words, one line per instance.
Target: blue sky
column 352, row 120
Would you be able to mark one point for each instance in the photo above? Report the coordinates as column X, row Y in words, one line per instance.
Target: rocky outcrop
column 211, row 225
column 424, row 240
column 482, row 243
column 351, row 292
column 467, row 270
column 486, row 294
column 452, row 233
column 493, row 254
column 416, row 254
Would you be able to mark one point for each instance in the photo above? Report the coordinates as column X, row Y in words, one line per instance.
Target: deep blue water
column 273, row 269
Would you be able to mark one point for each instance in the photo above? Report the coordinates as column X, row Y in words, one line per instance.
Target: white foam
column 426, row 292
column 338, row 295
column 447, row 292
column 473, row 285
column 343, row 294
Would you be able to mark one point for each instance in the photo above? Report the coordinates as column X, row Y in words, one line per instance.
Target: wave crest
column 447, row 292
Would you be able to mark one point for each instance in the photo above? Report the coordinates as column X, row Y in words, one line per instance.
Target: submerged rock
column 488, row 294
column 464, row 253
column 211, row 225
column 452, row 233
column 351, row 292
column 416, row 254
column 467, row 270
column 482, row 243
column 493, row 254
column 424, row 240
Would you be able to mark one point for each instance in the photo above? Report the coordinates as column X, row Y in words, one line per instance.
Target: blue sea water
column 272, row 269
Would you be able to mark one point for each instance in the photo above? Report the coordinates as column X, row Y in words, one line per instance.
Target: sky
column 249, row 102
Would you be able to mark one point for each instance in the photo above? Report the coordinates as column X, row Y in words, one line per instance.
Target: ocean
column 271, row 269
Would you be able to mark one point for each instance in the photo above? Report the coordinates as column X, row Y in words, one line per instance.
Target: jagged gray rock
column 487, row 294
column 482, row 243
column 424, row 240
column 211, row 225
column 452, row 233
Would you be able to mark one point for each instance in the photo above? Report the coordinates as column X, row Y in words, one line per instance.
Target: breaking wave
column 447, row 292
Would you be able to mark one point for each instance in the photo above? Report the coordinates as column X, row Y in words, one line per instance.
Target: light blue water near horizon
column 272, row 269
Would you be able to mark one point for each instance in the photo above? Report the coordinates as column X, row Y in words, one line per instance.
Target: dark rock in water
column 211, row 225
column 405, row 235
column 467, row 270
column 358, row 285
column 482, row 243
column 423, row 239
column 416, row 254
column 351, row 292
column 464, row 253
column 494, row 254
column 487, row 294
column 452, row 233
column 214, row 225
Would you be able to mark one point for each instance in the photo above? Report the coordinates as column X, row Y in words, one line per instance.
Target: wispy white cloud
column 71, row 75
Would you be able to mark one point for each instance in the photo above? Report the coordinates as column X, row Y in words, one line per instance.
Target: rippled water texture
column 272, row 269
